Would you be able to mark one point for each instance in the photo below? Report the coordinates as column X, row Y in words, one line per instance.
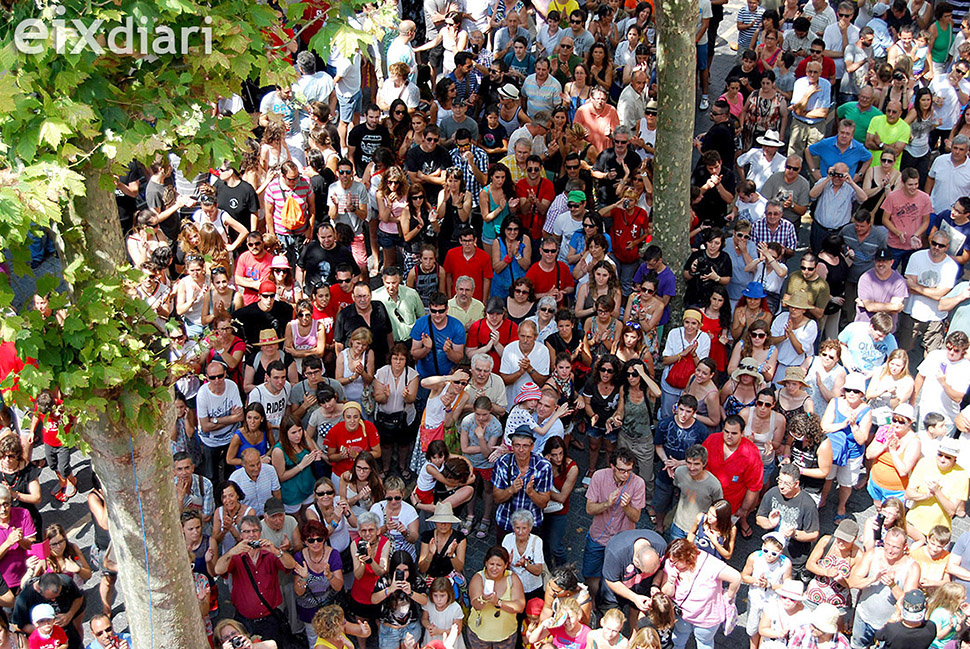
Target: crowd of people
column 428, row 286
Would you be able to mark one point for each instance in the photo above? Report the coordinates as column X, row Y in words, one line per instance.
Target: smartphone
column 399, row 575
column 488, row 587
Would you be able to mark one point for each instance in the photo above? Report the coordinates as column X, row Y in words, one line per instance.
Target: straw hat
column 443, row 513
column 826, row 618
column 800, row 300
column 746, row 368
column 795, row 374
column 268, row 337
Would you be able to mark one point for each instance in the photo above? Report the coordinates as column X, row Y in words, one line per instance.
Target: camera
column 362, row 548
column 399, row 575
column 254, row 544
column 877, row 533
column 237, row 642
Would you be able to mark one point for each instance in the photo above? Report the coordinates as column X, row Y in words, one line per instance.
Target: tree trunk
column 135, row 469
column 676, row 80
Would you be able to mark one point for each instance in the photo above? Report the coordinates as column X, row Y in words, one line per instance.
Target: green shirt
column 404, row 312
column 557, row 70
column 851, row 111
column 889, row 134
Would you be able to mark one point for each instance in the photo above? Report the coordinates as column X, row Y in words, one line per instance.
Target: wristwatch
column 215, row 420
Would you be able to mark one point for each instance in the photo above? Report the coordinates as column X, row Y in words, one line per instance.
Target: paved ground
column 74, row 514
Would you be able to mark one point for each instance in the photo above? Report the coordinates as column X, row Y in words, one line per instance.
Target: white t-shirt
column 930, row 275
column 648, row 137
column 212, row 405
column 407, row 515
column 539, row 357
column 564, row 227
column 752, row 212
column 407, row 93
column 806, row 335
column 677, row 342
column 833, row 41
column 312, row 87
column 703, row 11
column 761, row 169
column 533, row 550
column 932, row 398
column 273, row 404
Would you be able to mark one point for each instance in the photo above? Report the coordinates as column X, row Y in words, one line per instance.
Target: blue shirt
column 677, row 440
column 125, row 637
column 959, row 234
column 865, row 354
column 821, row 99
column 437, row 363
column 505, row 472
column 828, row 153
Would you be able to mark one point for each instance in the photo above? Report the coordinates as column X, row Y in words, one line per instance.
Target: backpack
column 293, row 217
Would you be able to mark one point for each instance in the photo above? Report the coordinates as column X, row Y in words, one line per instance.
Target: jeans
column 663, row 494
column 554, row 536
column 703, row 636
column 676, row 533
column 214, row 463
column 862, row 634
column 292, row 245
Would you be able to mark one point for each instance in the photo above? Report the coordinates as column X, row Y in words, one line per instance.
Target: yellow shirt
column 928, row 513
column 564, row 9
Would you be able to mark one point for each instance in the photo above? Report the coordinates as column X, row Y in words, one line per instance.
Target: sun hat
column 795, row 374
column 745, row 369
column 770, row 138
column 443, row 513
column 509, row 91
column 792, row 589
column 800, row 300
column 949, row 446
column 848, row 530
column 651, row 108
column 755, row 290
column 905, row 410
column 855, row 381
column 529, row 390
column 826, row 618
column 268, row 337
column 280, row 261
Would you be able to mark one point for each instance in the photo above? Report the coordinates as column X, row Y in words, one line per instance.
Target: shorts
column 424, row 497
column 881, row 494
column 388, row 240
column 392, row 638
column 849, row 474
column 484, row 474
column 59, row 459
column 595, row 432
column 348, row 106
column 754, row 619
column 369, row 612
column 702, row 57
column 593, row 558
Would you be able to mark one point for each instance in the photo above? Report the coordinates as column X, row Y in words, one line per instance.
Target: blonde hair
column 949, row 596
column 362, row 333
column 613, row 615
column 328, row 622
column 645, row 638
column 570, row 605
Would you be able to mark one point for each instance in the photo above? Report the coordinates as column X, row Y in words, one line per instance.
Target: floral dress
column 760, row 114
column 831, row 590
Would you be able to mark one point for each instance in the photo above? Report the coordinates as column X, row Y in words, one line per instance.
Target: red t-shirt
column 544, row 191
column 828, row 68
column 250, row 267
column 546, row 281
column 328, row 315
column 363, row 439
column 57, row 639
column 479, row 334
column 479, row 268
column 339, row 298
column 11, row 363
column 740, row 473
column 51, row 425
column 626, row 228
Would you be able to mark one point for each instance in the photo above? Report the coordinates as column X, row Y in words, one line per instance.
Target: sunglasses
column 438, row 311
column 793, row 168
column 395, row 498
column 532, row 169
column 417, row 197
column 888, row 161
column 547, row 310
column 900, row 420
column 848, row 390
column 216, row 377
column 765, row 404
column 572, row 167
column 770, row 553
column 758, row 334
column 345, row 281
column 649, row 291
column 607, row 370
column 937, row 244
column 572, row 205
column 808, row 268
column 344, row 172
column 327, row 492
column 550, row 251
column 255, row 244
column 430, row 140
column 315, row 539
column 742, row 236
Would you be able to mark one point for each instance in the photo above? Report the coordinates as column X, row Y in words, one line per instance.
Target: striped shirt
column 278, row 193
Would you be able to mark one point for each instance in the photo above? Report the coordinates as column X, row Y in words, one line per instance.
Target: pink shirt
column 907, row 214
column 600, row 126
column 57, row 639
column 614, row 520
column 255, row 269
column 13, row 565
column 699, row 593
column 560, row 640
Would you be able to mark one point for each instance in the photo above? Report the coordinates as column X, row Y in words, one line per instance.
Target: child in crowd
column 46, row 635
column 764, row 572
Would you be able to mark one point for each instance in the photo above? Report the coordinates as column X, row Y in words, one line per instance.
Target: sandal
column 652, row 514
column 483, row 528
column 466, row 527
column 745, row 530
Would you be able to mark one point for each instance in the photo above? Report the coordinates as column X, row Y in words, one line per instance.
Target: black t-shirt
column 348, row 321
column 240, row 202
column 754, row 78
column 699, row 290
column 418, row 159
column 618, row 562
column 253, row 320
column 366, row 142
column 720, row 138
column 320, row 184
column 799, row 512
column 711, row 207
column 899, row 636
column 128, row 205
column 585, row 177
column 320, row 264
column 29, row 598
column 491, row 138
column 440, row 563
column 608, row 160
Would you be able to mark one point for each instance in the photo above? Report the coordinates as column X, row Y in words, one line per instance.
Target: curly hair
column 808, row 428
column 683, row 550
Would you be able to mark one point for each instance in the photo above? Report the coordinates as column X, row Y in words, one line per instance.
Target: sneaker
column 587, row 479
column 705, row 103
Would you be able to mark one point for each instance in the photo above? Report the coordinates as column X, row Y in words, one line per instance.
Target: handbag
column 289, row 638
column 392, row 422
column 681, row 371
column 679, row 607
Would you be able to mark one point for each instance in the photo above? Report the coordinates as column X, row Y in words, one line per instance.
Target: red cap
column 267, row 286
column 534, row 606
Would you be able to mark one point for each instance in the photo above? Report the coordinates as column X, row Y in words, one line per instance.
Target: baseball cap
column 273, row 506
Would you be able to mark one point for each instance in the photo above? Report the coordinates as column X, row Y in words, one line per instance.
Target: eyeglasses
column 395, row 498
column 325, row 492
column 315, row 539
column 344, row 172
column 216, row 377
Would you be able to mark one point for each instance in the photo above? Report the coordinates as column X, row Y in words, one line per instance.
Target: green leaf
column 51, row 132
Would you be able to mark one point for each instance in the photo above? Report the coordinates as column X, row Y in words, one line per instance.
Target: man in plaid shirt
column 473, row 162
column 522, row 479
